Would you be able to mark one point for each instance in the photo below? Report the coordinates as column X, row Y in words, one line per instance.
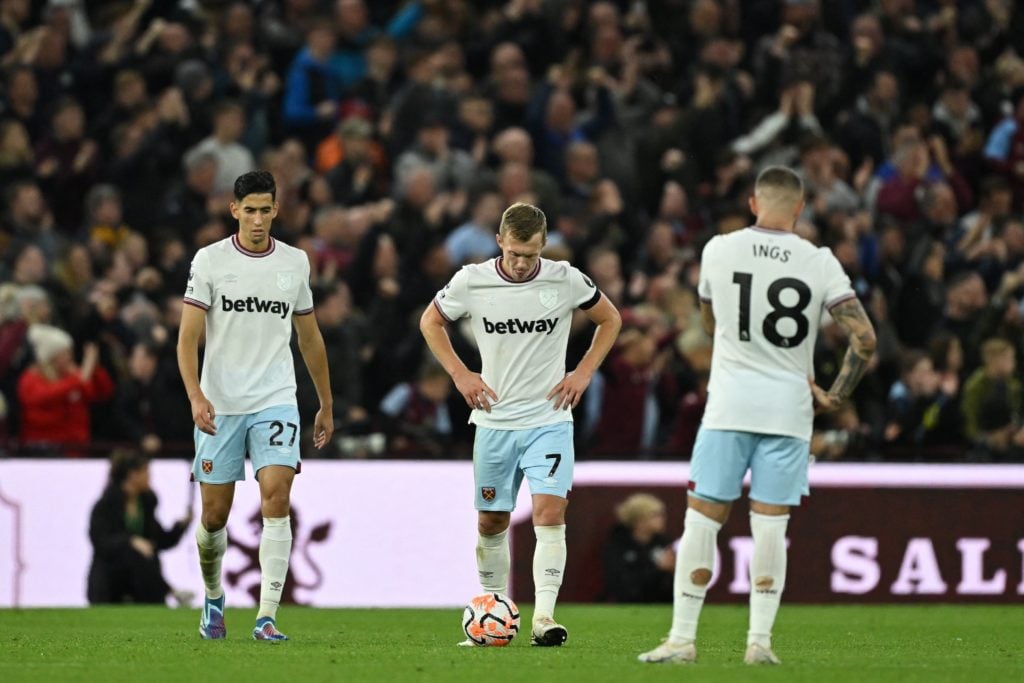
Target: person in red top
column 55, row 394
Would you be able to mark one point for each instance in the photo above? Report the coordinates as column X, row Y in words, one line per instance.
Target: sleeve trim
column 441, row 311
column 197, row 303
column 835, row 302
column 592, row 301
column 705, row 299
column 304, row 311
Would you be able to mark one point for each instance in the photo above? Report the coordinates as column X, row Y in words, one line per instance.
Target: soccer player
column 762, row 290
column 247, row 292
column 520, row 306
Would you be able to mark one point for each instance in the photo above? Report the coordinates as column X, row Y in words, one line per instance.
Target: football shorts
column 778, row 466
column 269, row 437
column 503, row 457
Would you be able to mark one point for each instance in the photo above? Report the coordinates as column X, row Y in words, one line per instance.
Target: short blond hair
column 779, row 185
column 522, row 221
column 637, row 507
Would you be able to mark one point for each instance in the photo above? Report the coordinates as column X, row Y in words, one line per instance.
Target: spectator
column 233, row 159
column 638, row 557
column 923, row 410
column 452, row 168
column 188, row 203
column 381, row 81
column 127, row 539
column 55, row 393
column 312, row 92
column 355, row 33
column 355, row 163
column 474, row 241
column 631, row 372
column 416, row 416
column 346, row 339
column 151, row 408
column 104, row 224
column 992, row 403
column 17, row 160
column 29, row 219
column 67, row 163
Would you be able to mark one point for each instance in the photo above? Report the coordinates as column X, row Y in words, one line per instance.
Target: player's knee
column 549, row 519
column 489, row 525
column 275, row 503
column 700, row 577
column 214, row 520
column 763, row 583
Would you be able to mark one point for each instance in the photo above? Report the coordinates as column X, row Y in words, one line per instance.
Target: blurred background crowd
column 398, row 131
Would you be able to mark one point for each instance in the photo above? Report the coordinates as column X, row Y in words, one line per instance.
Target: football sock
column 212, row 546
column 275, row 548
column 548, row 566
column 695, row 560
column 493, row 562
column 767, row 574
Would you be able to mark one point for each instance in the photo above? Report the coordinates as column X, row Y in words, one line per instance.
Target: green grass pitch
column 980, row 644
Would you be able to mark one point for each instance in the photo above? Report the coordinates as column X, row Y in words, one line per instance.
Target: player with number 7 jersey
column 520, row 307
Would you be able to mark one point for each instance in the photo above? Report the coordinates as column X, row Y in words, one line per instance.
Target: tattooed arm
column 850, row 316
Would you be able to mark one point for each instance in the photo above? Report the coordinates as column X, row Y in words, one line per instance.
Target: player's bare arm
column 470, row 384
column 193, row 324
column 852, row 318
column 314, row 354
column 569, row 391
column 707, row 317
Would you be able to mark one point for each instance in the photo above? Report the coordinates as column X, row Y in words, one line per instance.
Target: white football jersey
column 768, row 289
column 249, row 298
column 522, row 330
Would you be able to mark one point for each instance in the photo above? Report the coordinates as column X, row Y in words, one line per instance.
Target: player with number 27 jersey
column 768, row 289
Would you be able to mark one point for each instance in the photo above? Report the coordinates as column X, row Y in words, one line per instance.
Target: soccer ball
column 491, row 619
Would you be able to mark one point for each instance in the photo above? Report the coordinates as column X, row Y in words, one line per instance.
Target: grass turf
column 833, row 644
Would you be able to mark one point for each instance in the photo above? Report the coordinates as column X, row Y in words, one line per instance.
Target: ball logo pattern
column 491, row 619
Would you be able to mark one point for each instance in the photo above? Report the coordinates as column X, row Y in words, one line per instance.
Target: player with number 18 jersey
column 768, row 289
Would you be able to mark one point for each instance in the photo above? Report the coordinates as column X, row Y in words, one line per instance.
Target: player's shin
column 493, row 561
column 548, row 567
column 212, row 546
column 767, row 574
column 275, row 549
column 694, row 565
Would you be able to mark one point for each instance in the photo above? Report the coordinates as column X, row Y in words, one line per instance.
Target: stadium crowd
column 397, row 132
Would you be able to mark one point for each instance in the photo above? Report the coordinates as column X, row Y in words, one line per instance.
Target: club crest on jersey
column 207, row 466
column 487, row 492
column 548, row 298
column 285, row 281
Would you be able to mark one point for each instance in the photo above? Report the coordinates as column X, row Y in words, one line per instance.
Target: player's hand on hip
column 323, row 427
column 824, row 402
column 569, row 391
column 203, row 414
column 475, row 391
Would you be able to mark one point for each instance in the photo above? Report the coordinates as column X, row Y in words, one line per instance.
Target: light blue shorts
column 501, row 457
column 778, row 466
column 270, row 437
